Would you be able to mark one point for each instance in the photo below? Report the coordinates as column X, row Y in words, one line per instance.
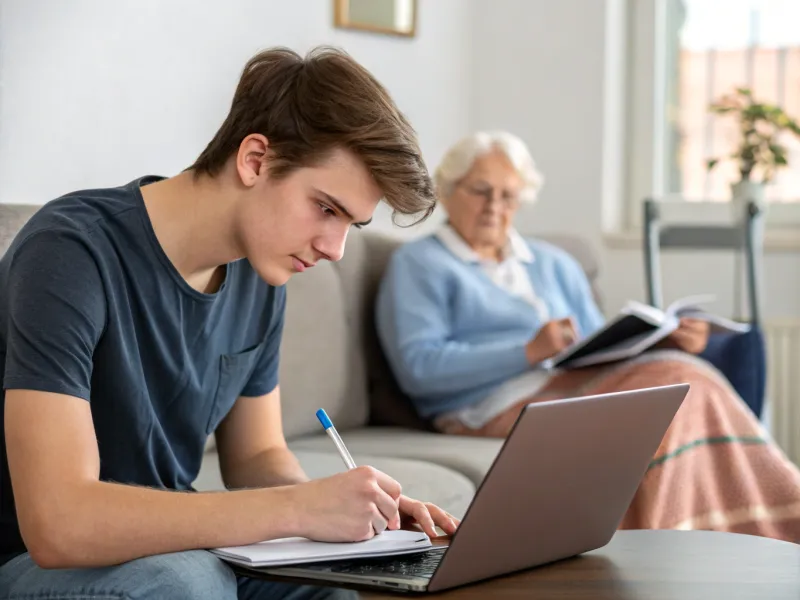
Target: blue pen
column 334, row 435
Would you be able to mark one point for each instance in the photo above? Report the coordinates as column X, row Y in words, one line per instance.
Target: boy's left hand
column 426, row 515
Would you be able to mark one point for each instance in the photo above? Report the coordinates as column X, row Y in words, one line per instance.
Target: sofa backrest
column 330, row 355
column 12, row 218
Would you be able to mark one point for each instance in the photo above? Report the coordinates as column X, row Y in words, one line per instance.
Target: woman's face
column 483, row 203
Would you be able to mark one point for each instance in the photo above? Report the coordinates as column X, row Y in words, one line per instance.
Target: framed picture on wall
column 394, row 17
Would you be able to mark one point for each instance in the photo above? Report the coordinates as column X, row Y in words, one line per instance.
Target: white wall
column 96, row 92
column 540, row 71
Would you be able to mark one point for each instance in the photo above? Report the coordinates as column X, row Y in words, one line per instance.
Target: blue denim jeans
column 195, row 575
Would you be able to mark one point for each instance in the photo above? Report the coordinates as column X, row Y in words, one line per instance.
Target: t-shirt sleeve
column 56, row 312
column 265, row 376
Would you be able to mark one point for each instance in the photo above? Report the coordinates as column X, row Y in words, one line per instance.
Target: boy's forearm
column 271, row 468
column 98, row 524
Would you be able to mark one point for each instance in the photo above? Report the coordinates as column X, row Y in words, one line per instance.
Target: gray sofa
column 331, row 359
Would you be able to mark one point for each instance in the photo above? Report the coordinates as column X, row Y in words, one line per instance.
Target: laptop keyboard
column 420, row 564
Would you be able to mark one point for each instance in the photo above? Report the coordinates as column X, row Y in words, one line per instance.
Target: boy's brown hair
column 307, row 107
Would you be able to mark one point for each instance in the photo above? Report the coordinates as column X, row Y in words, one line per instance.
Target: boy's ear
column 251, row 160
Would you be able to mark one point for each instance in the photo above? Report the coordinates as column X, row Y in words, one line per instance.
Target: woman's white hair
column 458, row 160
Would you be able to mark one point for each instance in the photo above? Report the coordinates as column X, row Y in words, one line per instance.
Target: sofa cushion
column 361, row 270
column 420, row 480
column 320, row 366
column 471, row 456
column 12, row 218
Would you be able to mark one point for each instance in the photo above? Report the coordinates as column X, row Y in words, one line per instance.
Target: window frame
column 645, row 164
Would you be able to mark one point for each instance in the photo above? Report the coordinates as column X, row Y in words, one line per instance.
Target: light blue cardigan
column 452, row 336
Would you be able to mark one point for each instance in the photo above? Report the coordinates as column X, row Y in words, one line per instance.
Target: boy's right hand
column 348, row 507
column 553, row 337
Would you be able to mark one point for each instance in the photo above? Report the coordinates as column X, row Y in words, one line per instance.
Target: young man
column 136, row 321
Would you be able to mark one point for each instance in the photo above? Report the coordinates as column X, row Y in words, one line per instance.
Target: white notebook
column 298, row 550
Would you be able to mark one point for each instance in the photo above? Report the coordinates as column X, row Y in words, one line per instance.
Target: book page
column 649, row 314
column 689, row 307
column 689, row 302
column 718, row 324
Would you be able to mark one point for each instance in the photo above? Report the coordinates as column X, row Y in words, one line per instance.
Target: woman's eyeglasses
column 507, row 198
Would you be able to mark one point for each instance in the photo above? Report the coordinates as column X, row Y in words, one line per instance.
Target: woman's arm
column 579, row 295
column 413, row 323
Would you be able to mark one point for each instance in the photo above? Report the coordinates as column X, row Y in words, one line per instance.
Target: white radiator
column 783, row 384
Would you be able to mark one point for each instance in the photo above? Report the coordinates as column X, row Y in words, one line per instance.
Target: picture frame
column 390, row 17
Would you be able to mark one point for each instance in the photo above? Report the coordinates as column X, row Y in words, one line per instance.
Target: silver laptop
column 559, row 487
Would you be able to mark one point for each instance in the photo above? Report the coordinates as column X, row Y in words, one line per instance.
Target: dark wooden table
column 656, row 565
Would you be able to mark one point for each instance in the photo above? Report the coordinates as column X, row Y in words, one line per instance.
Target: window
column 686, row 54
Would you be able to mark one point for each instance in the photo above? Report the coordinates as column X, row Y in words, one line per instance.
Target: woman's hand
column 552, row 338
column 691, row 336
column 426, row 515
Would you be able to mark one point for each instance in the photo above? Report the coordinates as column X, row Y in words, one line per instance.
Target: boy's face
column 287, row 226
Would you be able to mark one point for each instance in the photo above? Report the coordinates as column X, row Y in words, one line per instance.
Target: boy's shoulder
column 82, row 210
column 79, row 215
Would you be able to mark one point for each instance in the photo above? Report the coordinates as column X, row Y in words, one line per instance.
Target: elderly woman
column 469, row 316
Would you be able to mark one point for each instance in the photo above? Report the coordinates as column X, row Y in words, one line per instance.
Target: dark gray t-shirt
column 90, row 306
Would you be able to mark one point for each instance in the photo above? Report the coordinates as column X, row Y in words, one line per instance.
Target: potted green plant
column 760, row 152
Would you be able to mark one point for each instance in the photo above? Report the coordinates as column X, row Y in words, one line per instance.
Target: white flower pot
column 743, row 192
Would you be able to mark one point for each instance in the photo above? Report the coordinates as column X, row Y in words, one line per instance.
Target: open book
column 636, row 328
column 298, row 550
